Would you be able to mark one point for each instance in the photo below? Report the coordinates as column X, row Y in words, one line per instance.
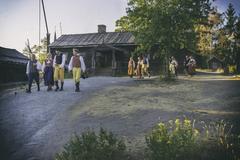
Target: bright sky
column 19, row 18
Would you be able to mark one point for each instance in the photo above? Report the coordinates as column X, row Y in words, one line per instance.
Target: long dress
column 131, row 66
column 139, row 69
column 191, row 67
column 48, row 73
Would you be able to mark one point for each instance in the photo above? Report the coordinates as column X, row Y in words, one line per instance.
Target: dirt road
column 37, row 125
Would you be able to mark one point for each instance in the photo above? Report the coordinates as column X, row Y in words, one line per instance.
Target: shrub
column 232, row 68
column 181, row 140
column 219, row 143
column 89, row 146
column 173, row 140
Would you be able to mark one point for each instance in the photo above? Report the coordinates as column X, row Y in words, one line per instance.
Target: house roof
column 12, row 56
column 93, row 39
column 215, row 59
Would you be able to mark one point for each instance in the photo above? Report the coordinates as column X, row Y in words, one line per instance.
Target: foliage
column 89, row 146
column 207, row 33
column 229, row 30
column 237, row 39
column 218, row 142
column 231, row 19
column 170, row 24
column 39, row 50
column 171, row 141
column 182, row 140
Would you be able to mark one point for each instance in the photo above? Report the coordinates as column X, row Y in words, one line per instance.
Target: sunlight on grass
column 220, row 70
column 216, row 112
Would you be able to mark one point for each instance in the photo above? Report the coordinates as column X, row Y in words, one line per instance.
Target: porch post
column 114, row 63
column 93, row 61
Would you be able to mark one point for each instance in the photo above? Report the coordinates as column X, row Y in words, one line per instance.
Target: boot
column 61, row 86
column 77, row 87
column 29, row 88
column 57, row 87
column 38, row 87
column 48, row 89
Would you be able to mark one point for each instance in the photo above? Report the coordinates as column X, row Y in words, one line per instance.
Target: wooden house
column 13, row 65
column 105, row 53
column 215, row 63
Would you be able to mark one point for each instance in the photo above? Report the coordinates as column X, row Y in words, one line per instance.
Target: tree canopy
column 168, row 24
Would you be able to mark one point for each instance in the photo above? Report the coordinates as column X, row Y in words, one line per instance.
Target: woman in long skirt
column 131, row 67
column 48, row 72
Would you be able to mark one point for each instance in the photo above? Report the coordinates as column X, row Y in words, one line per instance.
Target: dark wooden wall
column 11, row 72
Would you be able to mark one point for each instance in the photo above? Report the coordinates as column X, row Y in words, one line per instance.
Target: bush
column 181, row 141
column 232, row 69
column 219, row 143
column 90, row 146
column 173, row 140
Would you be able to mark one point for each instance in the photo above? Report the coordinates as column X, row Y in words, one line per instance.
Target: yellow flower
column 187, row 123
column 196, row 132
column 177, row 122
column 161, row 125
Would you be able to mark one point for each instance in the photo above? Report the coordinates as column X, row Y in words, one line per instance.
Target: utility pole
column 48, row 34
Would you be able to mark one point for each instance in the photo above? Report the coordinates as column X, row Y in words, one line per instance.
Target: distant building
column 105, row 53
column 215, row 63
column 13, row 65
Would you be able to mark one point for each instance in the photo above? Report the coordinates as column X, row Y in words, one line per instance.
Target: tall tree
column 230, row 56
column 237, row 39
column 231, row 19
column 208, row 33
column 168, row 24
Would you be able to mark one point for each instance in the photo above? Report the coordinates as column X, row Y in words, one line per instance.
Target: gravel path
column 37, row 125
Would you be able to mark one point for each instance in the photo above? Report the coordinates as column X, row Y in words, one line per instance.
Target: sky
column 19, row 18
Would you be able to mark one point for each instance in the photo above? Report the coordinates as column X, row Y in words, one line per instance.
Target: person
column 185, row 63
column 131, row 67
column 145, row 66
column 173, row 66
column 58, row 64
column 48, row 72
column 139, row 68
column 148, row 66
column 191, row 66
column 32, row 71
column 77, row 66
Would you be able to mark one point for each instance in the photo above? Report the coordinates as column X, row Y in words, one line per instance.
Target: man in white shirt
column 32, row 71
column 77, row 66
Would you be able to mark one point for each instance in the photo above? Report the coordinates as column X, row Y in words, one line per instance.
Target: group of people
column 53, row 70
column 140, row 69
column 189, row 65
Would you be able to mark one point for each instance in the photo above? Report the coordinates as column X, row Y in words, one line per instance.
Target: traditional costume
column 32, row 71
column 131, row 67
column 77, row 66
column 145, row 66
column 173, row 66
column 58, row 64
column 48, row 73
column 139, row 68
column 191, row 66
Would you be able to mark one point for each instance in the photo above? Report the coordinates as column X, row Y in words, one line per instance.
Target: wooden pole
column 45, row 18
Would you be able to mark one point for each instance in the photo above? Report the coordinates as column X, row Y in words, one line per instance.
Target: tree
column 229, row 31
column 237, row 39
column 168, row 24
column 208, row 33
column 39, row 50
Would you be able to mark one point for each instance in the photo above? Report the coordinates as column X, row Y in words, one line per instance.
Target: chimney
column 101, row 28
